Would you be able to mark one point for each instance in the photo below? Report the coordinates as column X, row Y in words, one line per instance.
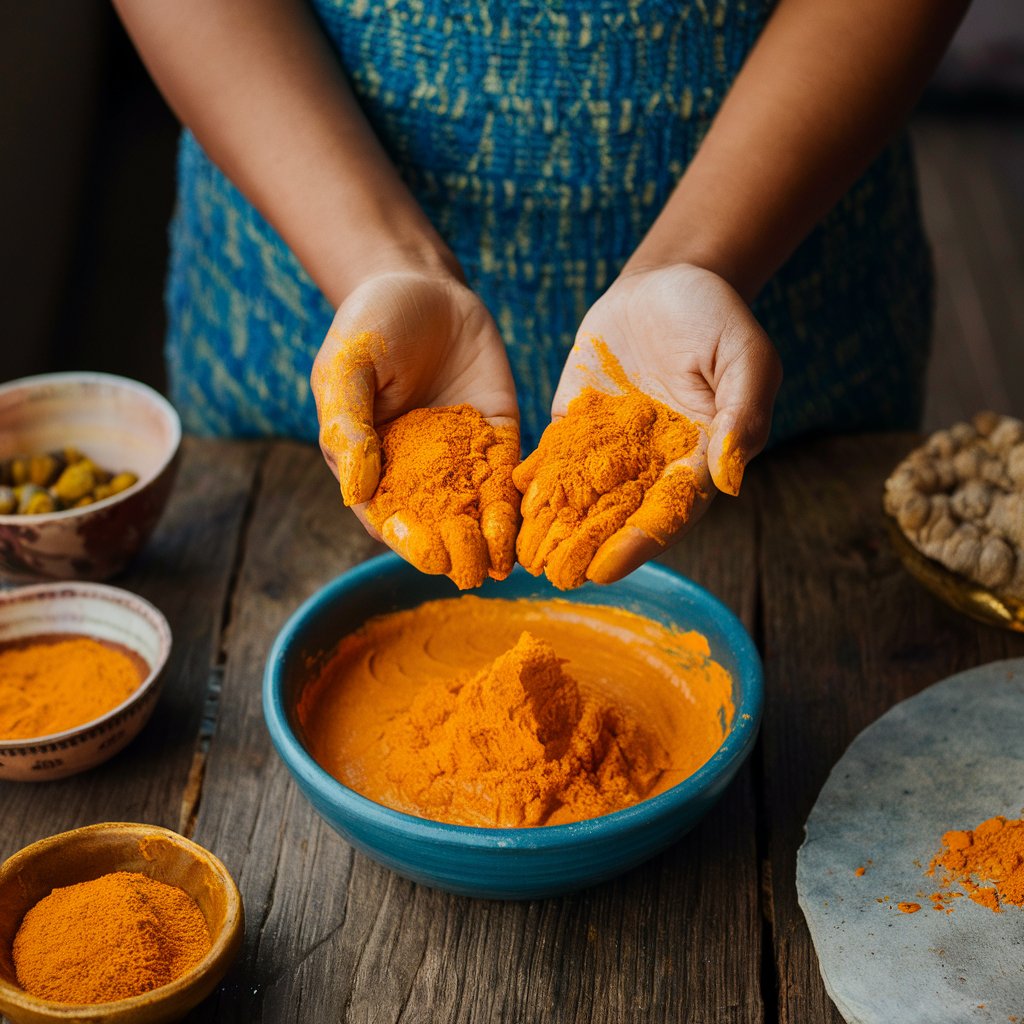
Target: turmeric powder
column 613, row 461
column 513, row 712
column 553, row 757
column 56, row 683
column 446, row 501
column 985, row 864
column 110, row 938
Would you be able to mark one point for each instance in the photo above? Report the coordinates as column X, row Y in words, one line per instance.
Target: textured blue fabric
column 542, row 139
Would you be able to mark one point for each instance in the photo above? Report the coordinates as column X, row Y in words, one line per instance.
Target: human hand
column 408, row 340
column 683, row 336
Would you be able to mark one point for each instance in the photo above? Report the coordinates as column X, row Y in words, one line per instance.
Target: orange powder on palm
column 446, row 501
column 515, row 713
column 602, row 467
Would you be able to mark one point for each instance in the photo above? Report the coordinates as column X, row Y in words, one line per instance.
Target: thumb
column 750, row 373
column 344, row 383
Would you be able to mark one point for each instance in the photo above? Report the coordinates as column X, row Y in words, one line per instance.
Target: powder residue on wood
column 446, row 501
column 601, row 468
column 515, row 713
column 59, row 682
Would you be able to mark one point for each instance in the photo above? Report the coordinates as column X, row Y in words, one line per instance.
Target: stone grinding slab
column 948, row 758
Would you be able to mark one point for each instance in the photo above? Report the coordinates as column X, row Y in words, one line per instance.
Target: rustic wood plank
column 847, row 633
column 185, row 570
column 332, row 936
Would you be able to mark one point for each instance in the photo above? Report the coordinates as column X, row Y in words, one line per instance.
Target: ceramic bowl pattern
column 119, row 423
column 87, row 853
column 509, row 863
column 103, row 612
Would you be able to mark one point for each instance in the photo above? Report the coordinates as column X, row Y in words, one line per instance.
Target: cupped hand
column 405, row 340
column 684, row 336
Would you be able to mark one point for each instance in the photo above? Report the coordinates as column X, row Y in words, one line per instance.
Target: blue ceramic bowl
column 507, row 863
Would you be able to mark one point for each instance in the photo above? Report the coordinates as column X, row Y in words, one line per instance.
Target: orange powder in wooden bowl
column 514, row 712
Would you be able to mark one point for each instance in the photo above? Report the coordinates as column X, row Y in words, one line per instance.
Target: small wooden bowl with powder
column 80, row 673
column 85, row 855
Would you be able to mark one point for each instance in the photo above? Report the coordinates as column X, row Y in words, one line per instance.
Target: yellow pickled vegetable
column 35, row 501
column 122, row 482
column 75, row 482
column 43, row 470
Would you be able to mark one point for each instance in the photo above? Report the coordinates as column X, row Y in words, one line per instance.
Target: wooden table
column 708, row 932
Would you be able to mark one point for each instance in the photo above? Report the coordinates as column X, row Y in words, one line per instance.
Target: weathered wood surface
column 708, row 932
column 846, row 634
column 186, row 571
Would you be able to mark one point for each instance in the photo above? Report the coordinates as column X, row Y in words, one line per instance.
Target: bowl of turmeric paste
column 518, row 742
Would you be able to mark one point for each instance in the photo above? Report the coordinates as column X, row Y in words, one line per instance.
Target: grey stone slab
column 948, row 758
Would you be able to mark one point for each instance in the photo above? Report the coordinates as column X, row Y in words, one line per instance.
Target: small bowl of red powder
column 80, row 673
column 115, row 922
column 518, row 742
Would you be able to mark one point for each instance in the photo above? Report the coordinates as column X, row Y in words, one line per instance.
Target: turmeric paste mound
column 503, row 713
column 552, row 756
column 446, row 501
column 598, row 469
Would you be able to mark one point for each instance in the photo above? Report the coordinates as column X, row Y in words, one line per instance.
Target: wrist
column 660, row 250
column 386, row 252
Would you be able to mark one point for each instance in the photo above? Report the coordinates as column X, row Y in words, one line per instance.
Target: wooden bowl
column 120, row 424
column 87, row 853
column 979, row 602
column 105, row 613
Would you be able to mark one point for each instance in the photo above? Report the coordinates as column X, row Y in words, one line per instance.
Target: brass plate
column 963, row 594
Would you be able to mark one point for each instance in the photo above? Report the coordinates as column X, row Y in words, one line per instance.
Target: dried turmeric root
column 960, row 500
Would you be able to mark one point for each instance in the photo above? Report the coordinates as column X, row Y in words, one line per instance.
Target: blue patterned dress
column 542, row 139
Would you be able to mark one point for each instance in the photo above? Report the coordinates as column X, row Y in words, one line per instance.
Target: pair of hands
column 680, row 332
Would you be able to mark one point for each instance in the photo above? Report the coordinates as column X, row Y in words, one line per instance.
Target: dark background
column 87, row 191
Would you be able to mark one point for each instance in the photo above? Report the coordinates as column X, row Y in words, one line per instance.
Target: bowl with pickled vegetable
column 87, row 462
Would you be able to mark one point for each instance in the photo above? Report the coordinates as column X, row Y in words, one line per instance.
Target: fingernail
column 730, row 467
column 359, row 472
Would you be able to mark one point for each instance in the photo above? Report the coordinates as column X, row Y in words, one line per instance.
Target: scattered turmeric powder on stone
column 446, row 501
column 110, row 938
column 55, row 684
column 985, row 864
column 598, row 469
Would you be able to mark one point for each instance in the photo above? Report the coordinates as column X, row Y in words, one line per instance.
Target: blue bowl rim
column 314, row 778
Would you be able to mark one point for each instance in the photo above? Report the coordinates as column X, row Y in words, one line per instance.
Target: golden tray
column 964, row 595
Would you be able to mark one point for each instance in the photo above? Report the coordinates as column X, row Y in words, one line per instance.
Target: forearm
column 259, row 85
column 825, row 87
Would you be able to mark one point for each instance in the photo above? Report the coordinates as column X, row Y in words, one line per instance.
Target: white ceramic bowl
column 121, row 425
column 102, row 612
